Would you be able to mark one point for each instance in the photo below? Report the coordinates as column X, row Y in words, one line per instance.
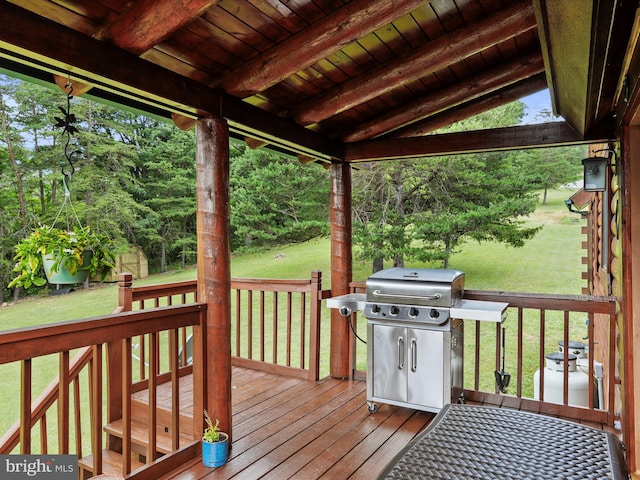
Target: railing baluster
column 44, row 444
column 96, row 408
column 77, row 416
column 63, row 404
column 591, row 358
column 498, row 350
column 289, row 325
column 152, row 407
column 249, row 323
column 25, row 405
column 142, row 349
column 126, row 405
column 612, row 367
column 175, row 389
column 476, row 369
column 565, row 370
column 275, row 327
column 262, row 319
column 541, row 356
column 238, row 326
column 520, row 352
column 303, row 328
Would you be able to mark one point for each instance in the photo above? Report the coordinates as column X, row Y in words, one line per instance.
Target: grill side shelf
column 480, row 310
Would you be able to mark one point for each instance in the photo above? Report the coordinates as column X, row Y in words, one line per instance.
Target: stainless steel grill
column 414, row 348
column 415, row 334
column 414, row 295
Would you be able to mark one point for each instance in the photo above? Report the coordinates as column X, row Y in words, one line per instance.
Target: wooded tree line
column 134, row 180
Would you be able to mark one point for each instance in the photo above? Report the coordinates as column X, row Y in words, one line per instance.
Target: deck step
column 111, row 464
column 140, row 412
column 140, row 436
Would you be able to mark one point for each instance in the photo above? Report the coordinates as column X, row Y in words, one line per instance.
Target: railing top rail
column 271, row 284
column 176, row 288
column 163, row 289
column 31, row 342
column 576, row 303
column 545, row 301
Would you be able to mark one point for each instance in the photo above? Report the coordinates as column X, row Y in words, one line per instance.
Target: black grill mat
column 476, row 442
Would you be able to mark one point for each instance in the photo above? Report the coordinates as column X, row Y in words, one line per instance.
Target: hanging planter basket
column 63, row 256
column 64, row 275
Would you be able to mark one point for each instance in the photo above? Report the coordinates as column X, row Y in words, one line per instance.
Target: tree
column 552, row 167
column 424, row 209
column 479, row 197
column 167, row 172
column 276, row 200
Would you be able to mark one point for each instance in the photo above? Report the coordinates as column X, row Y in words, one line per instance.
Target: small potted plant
column 64, row 256
column 215, row 444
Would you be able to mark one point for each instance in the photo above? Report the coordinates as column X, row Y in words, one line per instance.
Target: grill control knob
column 433, row 313
column 375, row 308
column 394, row 310
column 413, row 312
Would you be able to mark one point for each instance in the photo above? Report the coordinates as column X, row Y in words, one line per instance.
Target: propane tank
column 554, row 381
column 581, row 350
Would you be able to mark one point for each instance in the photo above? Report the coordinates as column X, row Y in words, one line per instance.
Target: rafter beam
column 436, row 55
column 489, row 81
column 355, row 20
column 474, row 107
column 508, row 138
column 131, row 78
column 147, row 22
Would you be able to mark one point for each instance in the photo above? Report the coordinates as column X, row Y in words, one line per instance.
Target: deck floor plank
column 290, row 428
column 286, row 427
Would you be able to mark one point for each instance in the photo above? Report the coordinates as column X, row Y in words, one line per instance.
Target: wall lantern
column 595, row 173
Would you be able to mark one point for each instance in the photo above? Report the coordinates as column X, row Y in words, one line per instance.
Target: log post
column 214, row 265
column 341, row 266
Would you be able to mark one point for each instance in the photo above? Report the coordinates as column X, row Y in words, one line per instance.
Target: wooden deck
column 286, row 427
column 290, row 428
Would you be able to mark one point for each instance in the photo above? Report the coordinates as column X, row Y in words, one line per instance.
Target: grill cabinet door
column 390, row 362
column 426, row 382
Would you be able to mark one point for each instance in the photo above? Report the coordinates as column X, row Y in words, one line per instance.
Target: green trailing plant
column 212, row 431
column 68, row 249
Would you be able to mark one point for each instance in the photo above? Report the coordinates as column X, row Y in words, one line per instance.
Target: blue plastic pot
column 216, row 454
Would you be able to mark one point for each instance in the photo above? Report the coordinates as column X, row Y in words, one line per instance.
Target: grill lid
column 416, row 286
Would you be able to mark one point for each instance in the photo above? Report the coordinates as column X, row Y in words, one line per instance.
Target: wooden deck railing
column 535, row 326
column 275, row 322
column 275, row 328
column 102, row 336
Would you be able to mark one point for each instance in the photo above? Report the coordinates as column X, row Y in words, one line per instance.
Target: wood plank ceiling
column 325, row 79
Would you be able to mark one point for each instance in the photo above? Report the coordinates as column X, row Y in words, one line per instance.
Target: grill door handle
column 400, row 353
column 414, row 355
column 380, row 293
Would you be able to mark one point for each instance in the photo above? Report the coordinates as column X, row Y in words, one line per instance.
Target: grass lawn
column 549, row 263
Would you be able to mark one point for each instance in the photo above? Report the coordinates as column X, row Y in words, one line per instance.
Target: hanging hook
column 68, row 129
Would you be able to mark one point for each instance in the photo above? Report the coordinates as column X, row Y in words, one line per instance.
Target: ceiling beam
column 520, row 68
column 147, row 22
column 507, row 138
column 129, row 77
column 474, row 107
column 436, row 55
column 355, row 20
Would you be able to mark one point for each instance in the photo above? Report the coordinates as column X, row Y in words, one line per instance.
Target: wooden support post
column 214, row 264
column 314, row 326
column 341, row 266
column 125, row 292
column 629, row 342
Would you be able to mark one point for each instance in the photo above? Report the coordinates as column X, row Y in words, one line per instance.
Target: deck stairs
column 112, row 455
